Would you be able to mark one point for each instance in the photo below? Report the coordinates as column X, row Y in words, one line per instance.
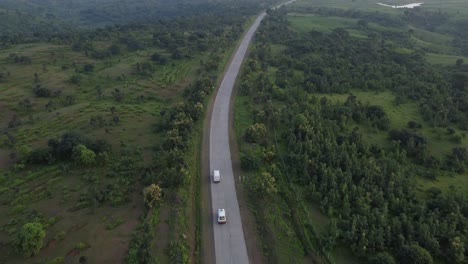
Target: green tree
column 456, row 250
column 414, row 254
column 262, row 185
column 30, row 239
column 83, row 155
column 382, row 258
column 152, row 195
column 255, row 133
column 118, row 95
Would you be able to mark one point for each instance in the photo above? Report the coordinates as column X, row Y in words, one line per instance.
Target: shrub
column 30, row 239
column 40, row 91
column 152, row 195
column 81, row 246
column 76, row 79
column 256, row 133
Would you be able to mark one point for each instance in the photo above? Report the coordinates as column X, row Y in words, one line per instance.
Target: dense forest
column 304, row 147
column 30, row 21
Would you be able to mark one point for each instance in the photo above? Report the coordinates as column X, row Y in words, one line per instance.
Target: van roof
column 221, row 212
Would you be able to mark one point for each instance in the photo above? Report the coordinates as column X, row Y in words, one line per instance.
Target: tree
column 83, row 155
column 88, row 67
column 262, row 185
column 114, row 49
column 456, row 250
column 255, row 133
column 382, row 258
column 118, row 95
column 414, row 254
column 152, row 195
column 30, row 239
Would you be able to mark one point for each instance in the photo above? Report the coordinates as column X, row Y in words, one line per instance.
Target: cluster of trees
column 425, row 19
column 71, row 146
column 177, row 122
column 52, row 21
column 20, row 59
column 368, row 191
column 337, row 62
column 354, row 110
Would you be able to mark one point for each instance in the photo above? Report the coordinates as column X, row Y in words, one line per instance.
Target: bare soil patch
column 161, row 240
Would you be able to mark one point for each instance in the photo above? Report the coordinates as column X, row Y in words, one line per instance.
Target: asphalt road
column 228, row 238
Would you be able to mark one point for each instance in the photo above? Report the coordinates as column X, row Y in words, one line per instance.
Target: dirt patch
column 174, row 89
column 161, row 241
column 51, row 244
column 77, row 227
column 73, row 252
column 4, row 159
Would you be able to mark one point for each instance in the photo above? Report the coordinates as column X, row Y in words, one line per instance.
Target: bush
column 88, row 67
column 76, row 79
column 30, row 239
column 83, row 155
column 152, row 195
column 250, row 160
column 256, row 133
column 38, row 156
column 40, row 91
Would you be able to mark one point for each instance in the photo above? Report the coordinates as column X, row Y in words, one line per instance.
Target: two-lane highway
column 228, row 238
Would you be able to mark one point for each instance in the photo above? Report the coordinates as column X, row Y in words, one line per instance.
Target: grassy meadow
column 52, row 193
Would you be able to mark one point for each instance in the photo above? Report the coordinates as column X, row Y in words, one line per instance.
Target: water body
column 413, row 5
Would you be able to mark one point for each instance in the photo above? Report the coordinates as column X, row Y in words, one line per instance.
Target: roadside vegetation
column 100, row 127
column 352, row 126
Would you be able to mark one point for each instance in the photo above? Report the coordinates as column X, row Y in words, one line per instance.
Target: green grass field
column 54, row 191
column 444, row 59
column 308, row 22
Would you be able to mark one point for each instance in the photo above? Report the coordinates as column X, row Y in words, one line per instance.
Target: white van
column 222, row 216
column 216, row 176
